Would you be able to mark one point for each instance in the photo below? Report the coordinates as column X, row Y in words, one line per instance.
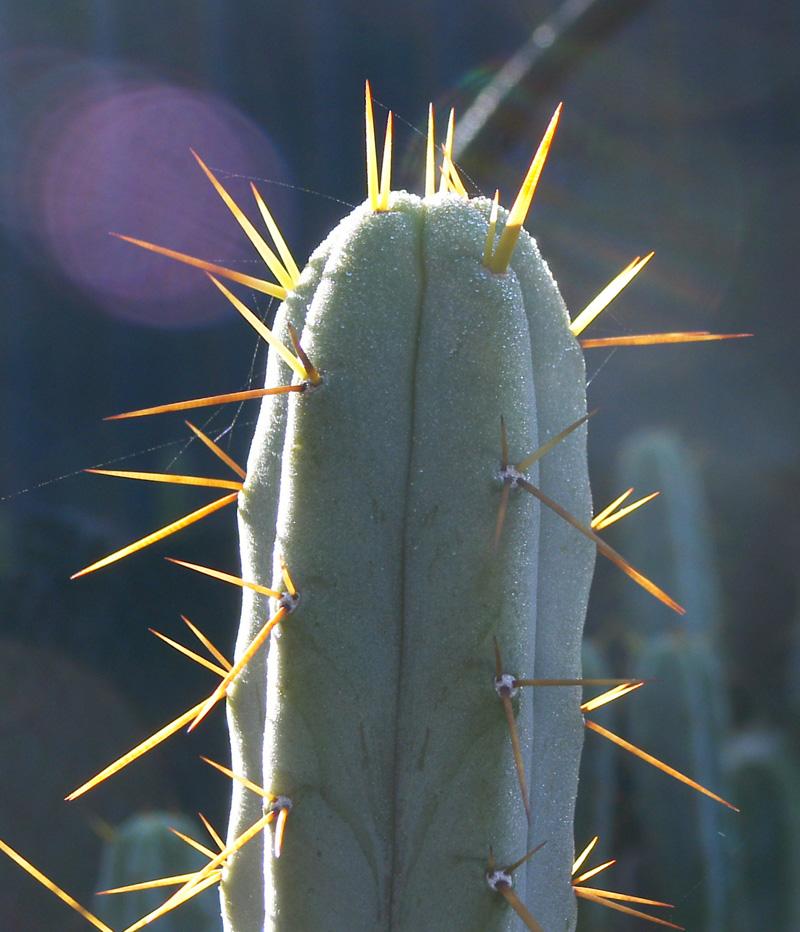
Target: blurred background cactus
column 145, row 846
column 763, row 773
column 681, row 138
column 683, row 716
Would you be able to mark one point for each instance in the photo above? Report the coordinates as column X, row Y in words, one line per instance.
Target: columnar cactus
column 398, row 585
column 145, row 846
column 687, row 839
column 680, row 543
column 763, row 771
column 380, row 490
column 684, row 716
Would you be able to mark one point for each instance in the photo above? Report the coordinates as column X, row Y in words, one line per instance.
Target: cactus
column 388, row 557
column 765, row 777
column 680, row 543
column 142, row 848
column 686, row 841
column 683, row 715
column 379, row 724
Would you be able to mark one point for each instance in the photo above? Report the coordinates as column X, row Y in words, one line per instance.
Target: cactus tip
column 545, row 448
column 611, row 695
column 450, row 180
column 282, row 806
column 500, row 880
column 287, row 579
column 606, row 898
column 277, row 237
column 173, row 880
column 602, row 547
column 258, row 790
column 188, row 840
column 142, row 748
column 612, row 516
column 447, row 152
column 286, row 606
column 206, row 482
column 216, row 837
column 312, row 373
column 594, row 871
column 386, row 165
column 372, row 155
column 377, row 189
column 579, row 860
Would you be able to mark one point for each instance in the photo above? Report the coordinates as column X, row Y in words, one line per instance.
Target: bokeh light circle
column 102, row 151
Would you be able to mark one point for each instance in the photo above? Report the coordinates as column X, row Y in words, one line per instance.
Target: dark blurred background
column 680, row 134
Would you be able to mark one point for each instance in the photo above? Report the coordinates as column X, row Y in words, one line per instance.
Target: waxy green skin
column 374, row 709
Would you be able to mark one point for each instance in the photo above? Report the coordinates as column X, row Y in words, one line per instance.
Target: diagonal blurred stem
column 554, row 48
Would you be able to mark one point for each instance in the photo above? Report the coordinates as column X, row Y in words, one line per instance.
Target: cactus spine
column 680, row 544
